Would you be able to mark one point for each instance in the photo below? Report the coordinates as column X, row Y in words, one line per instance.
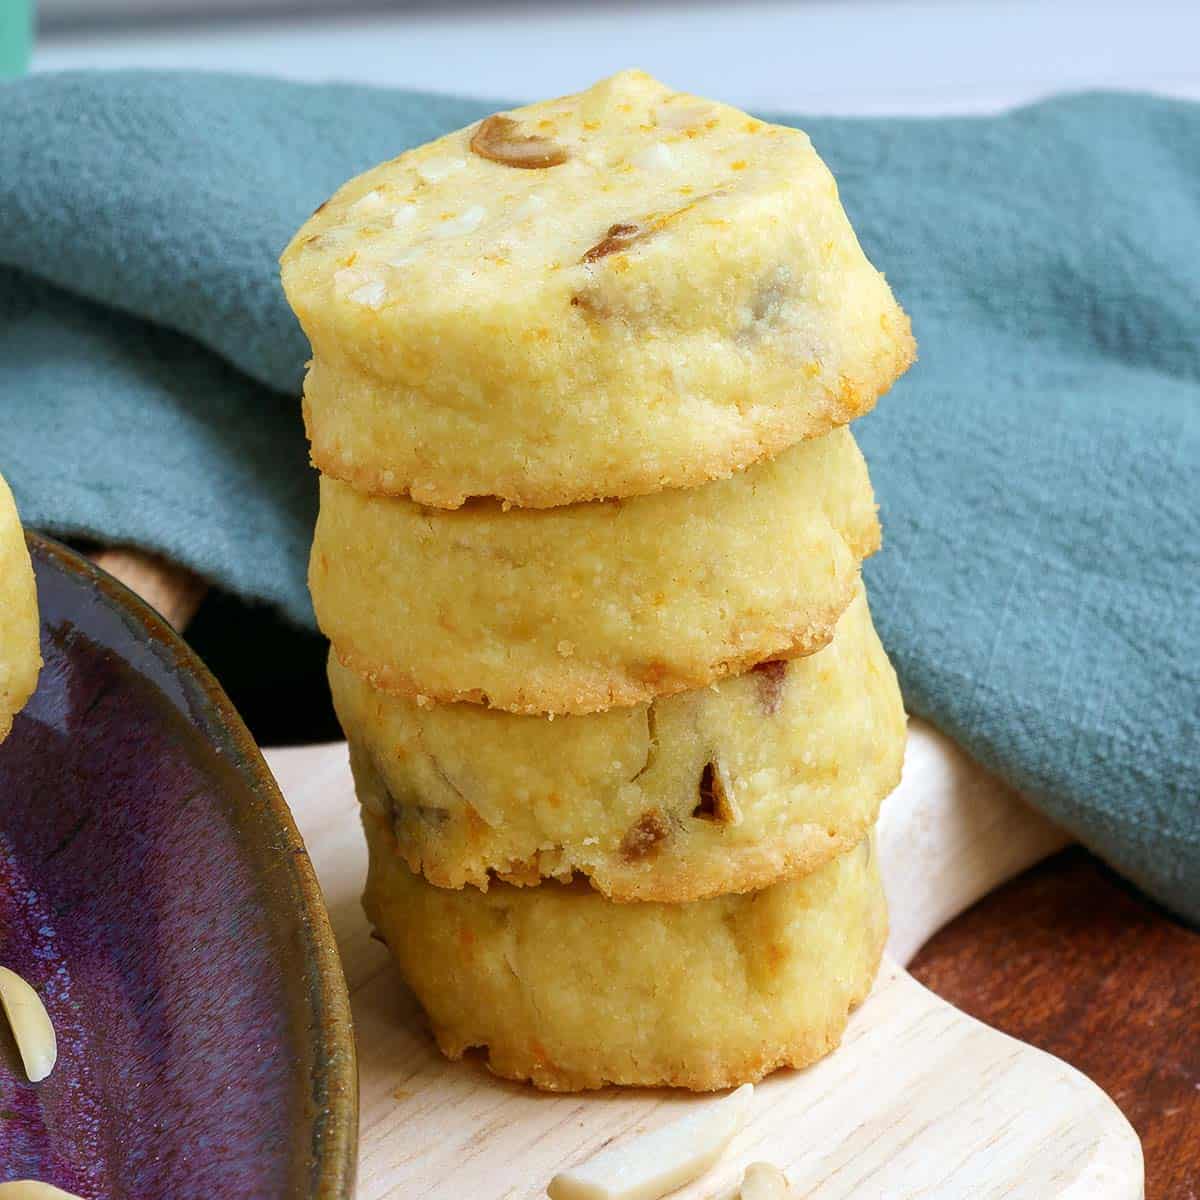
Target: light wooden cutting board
column 920, row 1101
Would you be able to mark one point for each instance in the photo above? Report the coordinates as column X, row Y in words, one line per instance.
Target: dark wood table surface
column 1070, row 959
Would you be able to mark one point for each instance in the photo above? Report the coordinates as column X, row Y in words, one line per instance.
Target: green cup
column 16, row 37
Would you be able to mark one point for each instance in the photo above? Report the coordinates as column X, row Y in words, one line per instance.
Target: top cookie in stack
column 605, row 295
column 578, row 391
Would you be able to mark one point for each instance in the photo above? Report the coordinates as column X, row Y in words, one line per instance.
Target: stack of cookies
column 589, row 557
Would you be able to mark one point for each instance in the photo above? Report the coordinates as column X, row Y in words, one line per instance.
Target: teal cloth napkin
column 1038, row 471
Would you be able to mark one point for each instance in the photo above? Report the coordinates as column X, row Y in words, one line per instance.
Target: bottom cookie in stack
column 570, row 990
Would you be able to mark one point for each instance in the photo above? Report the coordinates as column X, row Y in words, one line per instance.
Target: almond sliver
column 31, row 1026
column 660, row 1161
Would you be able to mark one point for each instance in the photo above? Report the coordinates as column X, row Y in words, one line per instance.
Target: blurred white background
column 822, row 56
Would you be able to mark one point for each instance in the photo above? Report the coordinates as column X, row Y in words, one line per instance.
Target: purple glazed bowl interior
column 154, row 889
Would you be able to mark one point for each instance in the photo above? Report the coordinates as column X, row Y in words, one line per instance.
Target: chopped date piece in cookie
column 770, row 676
column 644, row 838
column 716, row 804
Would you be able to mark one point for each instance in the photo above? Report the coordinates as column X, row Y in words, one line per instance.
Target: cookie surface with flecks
column 601, row 295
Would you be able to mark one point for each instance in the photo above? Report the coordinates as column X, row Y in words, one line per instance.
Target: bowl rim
column 330, row 1110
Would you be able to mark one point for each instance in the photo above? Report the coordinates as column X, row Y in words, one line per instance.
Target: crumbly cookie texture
column 591, row 606
column 606, row 294
column 20, row 655
column 570, row 991
column 765, row 775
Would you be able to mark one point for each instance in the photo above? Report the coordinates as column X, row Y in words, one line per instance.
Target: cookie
column 609, row 603
column 570, row 991
column 765, row 775
column 20, row 656
column 602, row 295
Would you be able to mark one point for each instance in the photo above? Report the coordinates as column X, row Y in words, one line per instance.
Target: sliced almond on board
column 31, row 1025
column 660, row 1161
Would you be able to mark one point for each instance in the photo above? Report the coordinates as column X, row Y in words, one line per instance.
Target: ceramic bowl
column 154, row 889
